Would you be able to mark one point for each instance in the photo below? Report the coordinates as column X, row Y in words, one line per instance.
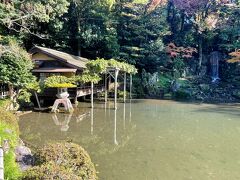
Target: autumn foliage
column 175, row 51
column 153, row 4
column 235, row 57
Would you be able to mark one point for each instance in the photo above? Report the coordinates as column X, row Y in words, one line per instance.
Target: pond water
column 148, row 139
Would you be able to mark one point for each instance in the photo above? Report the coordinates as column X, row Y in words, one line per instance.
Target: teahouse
column 52, row 62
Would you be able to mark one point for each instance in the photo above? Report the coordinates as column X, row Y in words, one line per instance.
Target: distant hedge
column 62, row 161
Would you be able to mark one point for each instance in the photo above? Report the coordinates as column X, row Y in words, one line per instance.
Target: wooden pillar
column 106, row 91
column 38, row 102
column 76, row 100
column 1, row 163
column 130, row 86
column 124, row 88
column 91, row 94
column 115, row 88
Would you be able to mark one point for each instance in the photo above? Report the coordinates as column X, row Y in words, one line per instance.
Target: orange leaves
column 235, row 57
column 155, row 3
column 181, row 51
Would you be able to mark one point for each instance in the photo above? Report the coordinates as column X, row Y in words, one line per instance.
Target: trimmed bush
column 49, row 171
column 57, row 159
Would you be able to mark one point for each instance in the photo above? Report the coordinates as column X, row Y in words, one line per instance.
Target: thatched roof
column 71, row 60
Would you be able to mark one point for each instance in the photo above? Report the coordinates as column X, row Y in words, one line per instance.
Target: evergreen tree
column 141, row 35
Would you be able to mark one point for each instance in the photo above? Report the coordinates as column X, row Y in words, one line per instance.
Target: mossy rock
column 58, row 158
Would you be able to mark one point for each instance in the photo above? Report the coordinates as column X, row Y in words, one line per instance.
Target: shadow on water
column 231, row 109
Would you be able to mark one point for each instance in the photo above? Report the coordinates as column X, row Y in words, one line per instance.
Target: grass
column 4, row 103
column 9, row 130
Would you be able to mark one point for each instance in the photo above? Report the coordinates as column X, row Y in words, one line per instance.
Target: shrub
column 59, row 82
column 182, row 94
column 56, row 159
column 11, row 168
column 4, row 103
column 9, row 130
column 49, row 171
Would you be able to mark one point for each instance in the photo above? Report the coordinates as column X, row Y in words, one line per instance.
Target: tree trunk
column 200, row 51
column 78, row 39
column 13, row 97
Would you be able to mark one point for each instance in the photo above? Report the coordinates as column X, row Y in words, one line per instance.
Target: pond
column 148, row 139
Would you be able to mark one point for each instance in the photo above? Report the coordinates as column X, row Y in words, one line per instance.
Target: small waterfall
column 214, row 61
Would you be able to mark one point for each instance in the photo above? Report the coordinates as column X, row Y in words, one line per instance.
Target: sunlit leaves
column 235, row 57
column 101, row 66
column 15, row 65
column 59, row 82
column 21, row 17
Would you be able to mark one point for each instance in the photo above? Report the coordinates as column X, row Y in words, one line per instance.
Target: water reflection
column 115, row 127
column 63, row 124
column 84, row 126
column 147, row 139
column 91, row 121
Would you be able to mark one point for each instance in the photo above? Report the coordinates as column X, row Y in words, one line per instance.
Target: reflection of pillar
column 76, row 100
column 91, row 94
column 130, row 110
column 106, row 91
column 124, row 115
column 105, row 109
column 115, row 127
column 82, row 116
column 124, row 88
column 115, row 88
column 92, row 121
column 64, row 125
column 130, row 92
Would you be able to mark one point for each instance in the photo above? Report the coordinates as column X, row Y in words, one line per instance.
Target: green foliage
column 15, row 65
column 58, row 82
column 164, row 81
column 87, row 77
column 178, row 67
column 4, row 103
column 60, row 160
column 141, row 35
column 182, row 94
column 101, row 65
column 21, row 17
column 9, row 130
column 11, row 170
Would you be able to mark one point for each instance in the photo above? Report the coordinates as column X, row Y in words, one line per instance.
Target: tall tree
column 20, row 16
column 203, row 15
column 15, row 68
column 141, row 35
